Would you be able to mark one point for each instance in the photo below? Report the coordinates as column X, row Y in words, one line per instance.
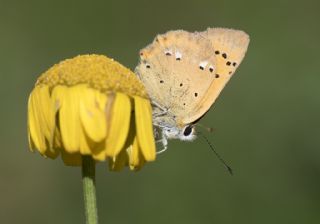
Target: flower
column 91, row 105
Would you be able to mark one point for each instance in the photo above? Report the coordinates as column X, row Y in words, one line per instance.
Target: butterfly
column 184, row 73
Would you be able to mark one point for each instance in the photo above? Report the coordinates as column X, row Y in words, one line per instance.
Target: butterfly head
column 186, row 133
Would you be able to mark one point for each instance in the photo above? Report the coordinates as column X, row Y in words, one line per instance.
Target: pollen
column 97, row 71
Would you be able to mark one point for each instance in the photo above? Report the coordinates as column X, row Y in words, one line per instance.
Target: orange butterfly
column 184, row 74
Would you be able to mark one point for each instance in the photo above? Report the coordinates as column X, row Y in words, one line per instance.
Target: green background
column 266, row 121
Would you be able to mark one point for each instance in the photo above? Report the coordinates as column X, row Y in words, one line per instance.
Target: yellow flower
column 91, row 105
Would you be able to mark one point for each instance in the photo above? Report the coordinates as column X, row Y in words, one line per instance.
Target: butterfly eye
column 188, row 130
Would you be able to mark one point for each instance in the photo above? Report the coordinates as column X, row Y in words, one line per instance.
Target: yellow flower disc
column 97, row 71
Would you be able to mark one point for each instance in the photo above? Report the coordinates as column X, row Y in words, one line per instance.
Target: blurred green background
column 266, row 122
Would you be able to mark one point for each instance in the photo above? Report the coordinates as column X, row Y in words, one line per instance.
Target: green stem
column 89, row 190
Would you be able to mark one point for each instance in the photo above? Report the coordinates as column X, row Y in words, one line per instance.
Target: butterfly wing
column 177, row 70
column 184, row 72
column 230, row 47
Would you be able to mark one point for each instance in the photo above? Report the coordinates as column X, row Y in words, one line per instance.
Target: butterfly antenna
column 217, row 154
column 208, row 129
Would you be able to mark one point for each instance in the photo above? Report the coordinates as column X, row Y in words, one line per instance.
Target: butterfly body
column 185, row 72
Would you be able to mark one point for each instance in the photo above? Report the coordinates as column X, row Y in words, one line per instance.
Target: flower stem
column 89, row 190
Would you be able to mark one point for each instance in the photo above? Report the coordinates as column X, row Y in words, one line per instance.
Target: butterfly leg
column 159, row 114
column 154, row 103
column 158, row 110
column 164, row 142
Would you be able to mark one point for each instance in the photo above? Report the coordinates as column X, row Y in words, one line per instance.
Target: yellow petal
column 34, row 123
column 84, row 143
column 57, row 96
column 136, row 159
column 57, row 141
column 119, row 124
column 73, row 159
column 32, row 146
column 98, row 151
column 92, row 114
column 47, row 113
column 70, row 118
column 44, row 110
column 118, row 162
column 122, row 159
column 138, row 166
column 52, row 153
column 143, row 116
